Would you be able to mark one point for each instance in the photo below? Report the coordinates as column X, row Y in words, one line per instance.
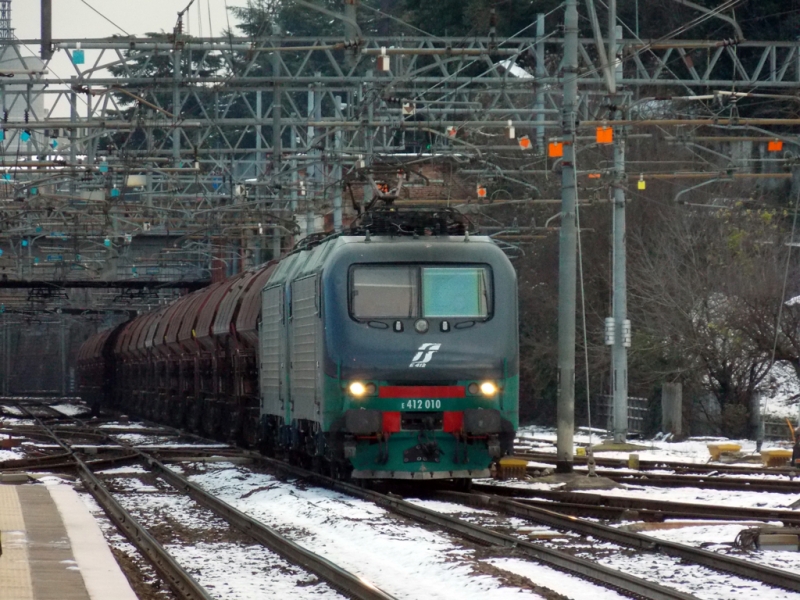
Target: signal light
column 488, row 388
column 357, row 388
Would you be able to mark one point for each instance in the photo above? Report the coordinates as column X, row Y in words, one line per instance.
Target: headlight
column 357, row 388
column 488, row 388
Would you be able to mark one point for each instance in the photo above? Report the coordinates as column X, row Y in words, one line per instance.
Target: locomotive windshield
column 394, row 292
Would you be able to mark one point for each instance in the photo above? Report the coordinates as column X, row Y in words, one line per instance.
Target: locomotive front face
column 421, row 355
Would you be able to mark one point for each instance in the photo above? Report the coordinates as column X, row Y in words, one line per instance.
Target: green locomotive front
column 391, row 357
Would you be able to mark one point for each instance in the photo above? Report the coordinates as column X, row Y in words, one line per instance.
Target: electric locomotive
column 390, row 352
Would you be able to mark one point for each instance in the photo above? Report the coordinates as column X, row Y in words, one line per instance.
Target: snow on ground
column 781, row 389
column 672, row 572
column 573, row 588
column 10, row 455
column 692, row 450
column 71, row 409
column 718, row 538
column 226, row 570
column 258, row 573
column 404, row 559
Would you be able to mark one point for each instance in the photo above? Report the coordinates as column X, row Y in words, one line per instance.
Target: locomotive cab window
column 455, row 292
column 384, row 292
column 401, row 291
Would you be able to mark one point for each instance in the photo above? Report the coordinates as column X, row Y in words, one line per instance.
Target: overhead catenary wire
column 106, row 18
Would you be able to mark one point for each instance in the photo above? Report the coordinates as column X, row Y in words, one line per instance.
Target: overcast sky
column 75, row 18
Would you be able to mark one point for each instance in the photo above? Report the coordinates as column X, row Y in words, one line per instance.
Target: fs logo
column 424, row 355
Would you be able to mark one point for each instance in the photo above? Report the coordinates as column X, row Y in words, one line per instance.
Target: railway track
column 711, row 482
column 590, row 504
column 627, row 584
column 673, row 465
column 719, row 562
column 183, row 585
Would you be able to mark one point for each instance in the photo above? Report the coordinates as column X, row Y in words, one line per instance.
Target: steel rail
column 656, row 509
column 700, row 481
column 627, row 584
column 719, row 562
column 179, row 580
column 17, row 466
column 341, row 579
column 650, row 465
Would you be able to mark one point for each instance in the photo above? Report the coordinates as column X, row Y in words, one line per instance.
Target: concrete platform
column 53, row 549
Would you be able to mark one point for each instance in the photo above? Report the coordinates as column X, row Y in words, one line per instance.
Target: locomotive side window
column 455, row 292
column 385, row 292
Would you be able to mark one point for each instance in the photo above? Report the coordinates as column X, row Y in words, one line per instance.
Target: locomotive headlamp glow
column 488, row 388
column 357, row 388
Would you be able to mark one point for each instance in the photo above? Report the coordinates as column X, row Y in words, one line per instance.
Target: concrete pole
column 567, row 260
column 47, row 30
column 337, row 175
column 311, row 165
column 293, row 164
column 756, row 420
column 350, row 33
column 540, row 73
column 63, row 357
column 176, row 101
column 8, row 359
column 368, row 142
column 672, row 408
column 4, row 331
column 619, row 351
column 277, row 152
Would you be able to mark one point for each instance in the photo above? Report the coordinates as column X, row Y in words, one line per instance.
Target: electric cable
column 106, row 18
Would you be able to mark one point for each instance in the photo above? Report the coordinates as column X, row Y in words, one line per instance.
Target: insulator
column 610, row 330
